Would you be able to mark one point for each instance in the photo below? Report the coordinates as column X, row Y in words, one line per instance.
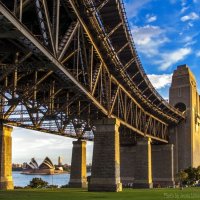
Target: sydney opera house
column 46, row 167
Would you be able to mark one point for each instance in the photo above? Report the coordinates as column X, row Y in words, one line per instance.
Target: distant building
column 46, row 167
column 17, row 167
column 60, row 161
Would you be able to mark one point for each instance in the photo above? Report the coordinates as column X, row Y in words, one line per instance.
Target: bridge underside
column 64, row 64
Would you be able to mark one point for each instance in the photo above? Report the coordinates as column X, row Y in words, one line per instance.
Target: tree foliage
column 38, row 183
column 182, row 176
column 189, row 176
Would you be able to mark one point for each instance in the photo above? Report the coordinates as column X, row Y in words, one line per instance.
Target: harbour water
column 23, row 180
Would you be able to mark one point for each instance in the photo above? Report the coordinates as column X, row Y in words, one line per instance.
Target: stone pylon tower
column 186, row 136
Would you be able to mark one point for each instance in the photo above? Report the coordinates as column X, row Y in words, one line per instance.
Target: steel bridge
column 65, row 63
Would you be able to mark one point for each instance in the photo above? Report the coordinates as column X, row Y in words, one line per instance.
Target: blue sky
column 166, row 34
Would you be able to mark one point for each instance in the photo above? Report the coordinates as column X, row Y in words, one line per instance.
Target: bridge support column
column 127, row 166
column 163, row 165
column 143, row 164
column 78, row 176
column 106, row 157
column 6, row 182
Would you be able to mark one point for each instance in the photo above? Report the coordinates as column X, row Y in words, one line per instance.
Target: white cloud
column 191, row 16
column 198, row 53
column 150, row 18
column 169, row 59
column 188, row 38
column 184, row 9
column 160, row 80
column 190, row 24
column 133, row 7
column 149, row 39
column 190, row 43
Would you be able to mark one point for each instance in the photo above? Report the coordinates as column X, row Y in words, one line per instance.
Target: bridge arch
column 181, row 106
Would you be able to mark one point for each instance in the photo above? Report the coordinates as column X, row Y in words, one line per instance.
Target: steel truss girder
column 101, row 84
column 116, row 60
column 96, row 22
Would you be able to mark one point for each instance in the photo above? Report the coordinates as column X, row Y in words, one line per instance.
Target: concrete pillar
column 6, row 181
column 163, row 165
column 127, row 166
column 78, row 175
column 106, row 157
column 143, row 164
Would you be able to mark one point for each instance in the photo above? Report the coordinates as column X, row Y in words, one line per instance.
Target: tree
column 192, row 175
column 198, row 173
column 38, row 183
column 182, row 176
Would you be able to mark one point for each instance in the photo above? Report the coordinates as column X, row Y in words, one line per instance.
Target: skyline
column 163, row 41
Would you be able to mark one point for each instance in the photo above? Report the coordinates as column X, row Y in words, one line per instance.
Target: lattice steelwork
column 65, row 63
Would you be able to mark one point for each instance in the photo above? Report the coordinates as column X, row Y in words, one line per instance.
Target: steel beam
column 58, row 66
column 68, row 42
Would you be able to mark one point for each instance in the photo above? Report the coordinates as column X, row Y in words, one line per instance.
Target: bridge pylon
column 163, row 165
column 147, row 164
column 78, row 175
column 186, row 135
column 6, row 181
column 106, row 157
column 143, row 164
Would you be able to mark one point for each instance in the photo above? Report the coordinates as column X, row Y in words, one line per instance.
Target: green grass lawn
column 74, row 194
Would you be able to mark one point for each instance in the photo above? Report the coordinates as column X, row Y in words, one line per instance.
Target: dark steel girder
column 116, row 7
column 59, row 67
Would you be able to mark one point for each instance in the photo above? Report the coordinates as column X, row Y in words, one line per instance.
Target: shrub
column 64, row 186
column 18, row 187
column 38, row 183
